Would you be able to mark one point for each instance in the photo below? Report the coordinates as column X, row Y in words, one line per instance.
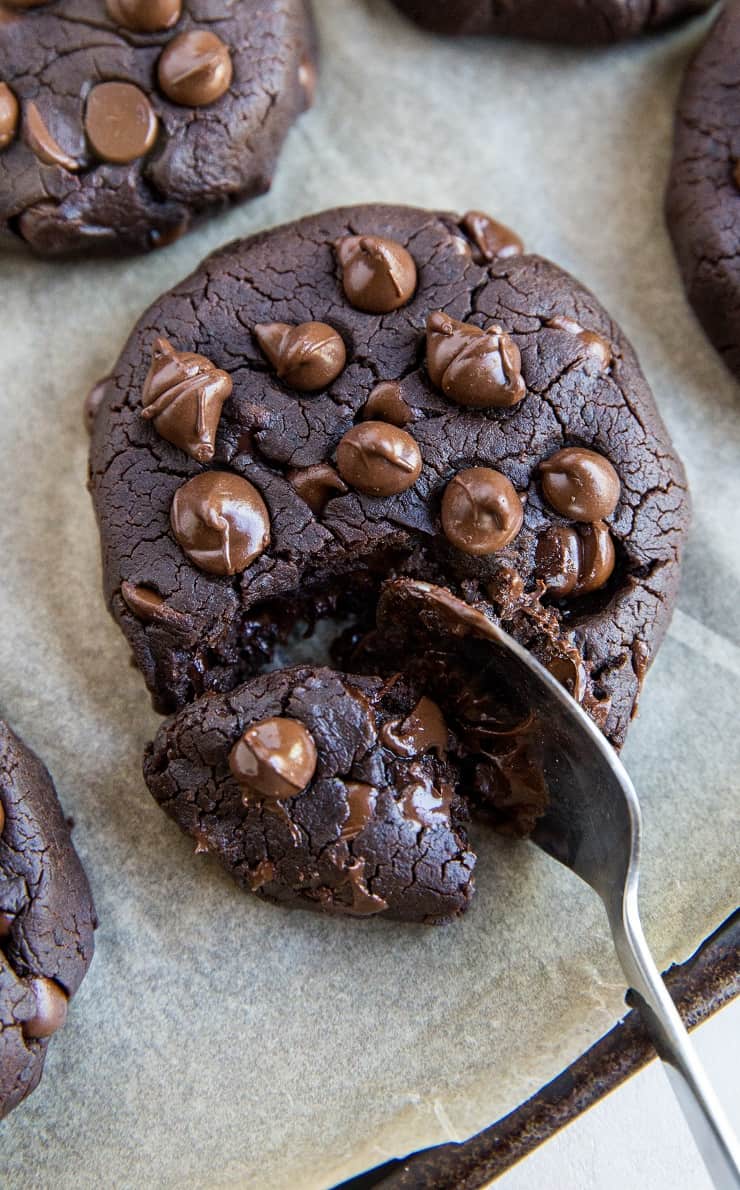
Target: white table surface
column 636, row 1138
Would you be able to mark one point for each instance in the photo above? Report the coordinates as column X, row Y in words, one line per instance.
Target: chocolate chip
column 307, row 357
column 275, row 758
column 183, row 396
column 145, row 16
column 378, row 459
column 481, row 511
column 150, row 607
column 491, row 238
column 594, row 344
column 120, row 122
column 316, row 485
column 422, row 731
column 307, row 75
column 575, row 561
column 378, row 275
column 361, row 800
column 580, row 484
column 385, row 403
column 51, row 1008
column 220, row 521
column 195, row 69
column 41, row 142
column 476, row 368
column 9, row 112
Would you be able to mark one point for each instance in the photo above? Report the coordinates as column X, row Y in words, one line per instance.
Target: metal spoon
column 593, row 826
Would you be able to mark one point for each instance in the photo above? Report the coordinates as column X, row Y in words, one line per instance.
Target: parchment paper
column 218, row 1041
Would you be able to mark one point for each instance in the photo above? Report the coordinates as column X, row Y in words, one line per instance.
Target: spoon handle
column 704, row 1113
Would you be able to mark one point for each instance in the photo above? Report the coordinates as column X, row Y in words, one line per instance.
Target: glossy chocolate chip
column 307, row 357
column 275, row 758
column 51, row 1009
column 575, row 561
column 423, row 730
column 195, row 69
column 476, row 368
column 120, row 122
column 183, row 397
column 378, row 275
column 492, row 239
column 220, row 521
column 481, row 511
column 580, row 484
column 378, row 459
column 316, row 485
column 145, row 16
column 594, row 345
column 9, row 112
column 385, row 403
column 41, row 142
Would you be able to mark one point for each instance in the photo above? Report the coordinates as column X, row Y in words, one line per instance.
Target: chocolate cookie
column 123, row 122
column 322, row 791
column 372, row 393
column 46, row 919
column 575, row 21
column 703, row 198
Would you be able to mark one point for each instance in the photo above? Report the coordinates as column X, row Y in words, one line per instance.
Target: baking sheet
column 218, row 1041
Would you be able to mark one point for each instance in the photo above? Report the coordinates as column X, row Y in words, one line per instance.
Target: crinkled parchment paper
column 218, row 1041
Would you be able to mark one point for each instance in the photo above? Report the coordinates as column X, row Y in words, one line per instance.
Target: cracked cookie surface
column 703, row 196
column 47, row 918
column 123, row 123
column 464, row 501
column 574, row 21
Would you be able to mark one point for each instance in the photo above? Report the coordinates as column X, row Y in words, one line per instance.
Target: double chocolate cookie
column 373, row 394
column 575, row 21
column 703, row 199
column 122, row 122
column 46, row 919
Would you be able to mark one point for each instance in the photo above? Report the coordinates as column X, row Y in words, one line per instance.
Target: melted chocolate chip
column 479, row 369
column 422, row 731
column 385, row 403
column 422, row 803
column 261, row 875
column 120, row 122
column 492, row 239
column 275, row 759
column 361, row 801
column 575, row 562
column 481, row 511
column 183, row 396
column 378, row 459
column 195, row 69
column 145, row 16
column 378, row 275
column 9, row 112
column 220, row 521
column 594, row 345
column 149, row 606
column 41, row 142
column 316, row 485
column 51, row 1009
column 580, row 484
column 307, row 357
column 364, row 903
